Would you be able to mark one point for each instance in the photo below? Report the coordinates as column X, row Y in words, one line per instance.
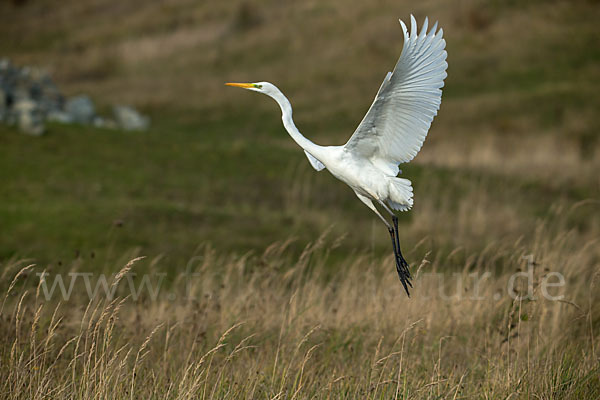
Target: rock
column 29, row 117
column 129, row 119
column 29, row 98
column 59, row 116
column 81, row 108
column 45, row 92
column 100, row 122
column 3, row 107
column 51, row 98
column 4, row 64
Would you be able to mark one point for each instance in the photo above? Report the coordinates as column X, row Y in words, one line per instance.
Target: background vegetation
column 509, row 169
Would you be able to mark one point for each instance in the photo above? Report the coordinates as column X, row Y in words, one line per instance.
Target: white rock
column 81, row 109
column 29, row 117
column 129, row 119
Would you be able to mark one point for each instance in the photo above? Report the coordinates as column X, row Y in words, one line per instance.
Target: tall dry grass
column 268, row 326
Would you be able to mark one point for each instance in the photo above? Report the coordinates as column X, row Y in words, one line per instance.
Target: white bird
column 392, row 132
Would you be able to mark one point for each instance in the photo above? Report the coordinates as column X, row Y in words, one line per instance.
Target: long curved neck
column 288, row 123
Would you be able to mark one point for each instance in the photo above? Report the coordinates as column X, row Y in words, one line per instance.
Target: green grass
column 80, row 180
column 237, row 184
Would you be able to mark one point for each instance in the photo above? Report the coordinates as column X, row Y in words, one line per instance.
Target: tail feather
column 400, row 194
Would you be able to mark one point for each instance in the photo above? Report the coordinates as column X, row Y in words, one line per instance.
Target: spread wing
column 396, row 125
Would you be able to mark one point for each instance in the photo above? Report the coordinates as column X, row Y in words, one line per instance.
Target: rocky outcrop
column 29, row 98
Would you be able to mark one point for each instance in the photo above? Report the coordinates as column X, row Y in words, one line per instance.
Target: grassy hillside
column 217, row 188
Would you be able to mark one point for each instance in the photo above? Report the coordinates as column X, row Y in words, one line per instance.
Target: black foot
column 401, row 264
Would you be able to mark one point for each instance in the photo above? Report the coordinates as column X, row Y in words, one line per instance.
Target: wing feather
column 394, row 128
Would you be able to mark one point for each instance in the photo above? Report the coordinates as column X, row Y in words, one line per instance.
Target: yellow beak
column 242, row 85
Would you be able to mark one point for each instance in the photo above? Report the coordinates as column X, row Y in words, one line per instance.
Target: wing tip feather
column 404, row 28
column 413, row 26
column 434, row 29
column 424, row 27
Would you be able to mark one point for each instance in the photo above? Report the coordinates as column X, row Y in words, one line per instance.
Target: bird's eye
column 258, row 86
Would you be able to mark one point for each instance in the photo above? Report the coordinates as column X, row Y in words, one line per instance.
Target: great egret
column 392, row 131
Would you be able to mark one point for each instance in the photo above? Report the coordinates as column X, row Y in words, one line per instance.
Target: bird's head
column 261, row 87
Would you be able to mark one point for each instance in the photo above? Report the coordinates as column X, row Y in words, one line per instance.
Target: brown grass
column 265, row 326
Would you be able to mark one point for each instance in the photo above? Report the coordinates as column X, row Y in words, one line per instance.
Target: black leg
column 401, row 265
column 395, row 222
column 402, row 260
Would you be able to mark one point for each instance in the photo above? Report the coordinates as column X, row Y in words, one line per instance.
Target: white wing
column 396, row 125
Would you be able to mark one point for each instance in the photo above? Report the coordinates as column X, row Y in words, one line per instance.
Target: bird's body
column 364, row 177
column 392, row 131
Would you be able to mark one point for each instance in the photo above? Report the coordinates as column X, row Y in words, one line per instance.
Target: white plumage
column 392, row 131
column 394, row 128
